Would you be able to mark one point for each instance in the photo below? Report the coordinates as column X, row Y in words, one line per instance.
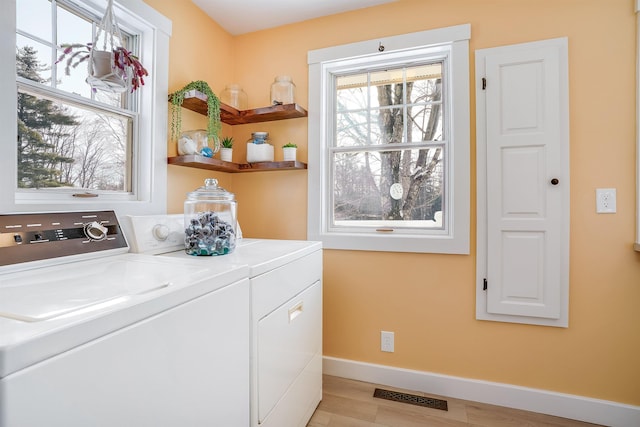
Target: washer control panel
column 35, row 237
column 155, row 234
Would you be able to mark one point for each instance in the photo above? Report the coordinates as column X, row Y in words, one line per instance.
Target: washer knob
column 160, row 232
column 95, row 231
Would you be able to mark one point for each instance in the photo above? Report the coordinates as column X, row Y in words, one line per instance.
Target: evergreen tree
column 44, row 129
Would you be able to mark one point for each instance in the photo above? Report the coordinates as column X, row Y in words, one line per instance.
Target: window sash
column 407, row 226
column 399, row 67
column 129, row 120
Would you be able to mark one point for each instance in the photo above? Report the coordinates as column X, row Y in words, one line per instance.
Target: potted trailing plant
column 226, row 152
column 213, row 109
column 118, row 68
column 289, row 151
column 112, row 67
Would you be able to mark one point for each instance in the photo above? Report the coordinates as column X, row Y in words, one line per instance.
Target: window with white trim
column 71, row 147
column 389, row 143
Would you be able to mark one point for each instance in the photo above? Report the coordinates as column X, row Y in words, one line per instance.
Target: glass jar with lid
column 234, row 96
column 259, row 149
column 210, row 220
column 197, row 142
column 283, row 90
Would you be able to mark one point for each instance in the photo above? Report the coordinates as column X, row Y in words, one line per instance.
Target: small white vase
column 289, row 153
column 226, row 154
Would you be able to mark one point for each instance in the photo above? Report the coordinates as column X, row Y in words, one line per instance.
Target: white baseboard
column 529, row 399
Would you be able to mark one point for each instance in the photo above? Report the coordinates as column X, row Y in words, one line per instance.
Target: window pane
column 67, row 145
column 387, row 126
column 426, row 123
column 387, row 87
column 352, row 129
column 34, row 17
column 33, row 60
column 424, row 83
column 73, row 79
column 351, row 92
column 72, row 28
column 400, row 188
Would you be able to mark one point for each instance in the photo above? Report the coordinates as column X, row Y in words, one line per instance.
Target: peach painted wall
column 429, row 300
column 199, row 50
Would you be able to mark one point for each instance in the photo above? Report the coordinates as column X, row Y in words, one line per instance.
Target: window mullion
column 54, row 43
column 405, row 102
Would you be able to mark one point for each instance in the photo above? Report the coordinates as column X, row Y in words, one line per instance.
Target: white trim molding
column 636, row 245
column 564, row 405
column 449, row 45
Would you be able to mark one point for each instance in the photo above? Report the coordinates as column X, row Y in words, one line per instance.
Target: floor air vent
column 427, row 402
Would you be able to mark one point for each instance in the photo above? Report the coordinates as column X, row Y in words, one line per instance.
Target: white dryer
column 93, row 336
column 286, row 314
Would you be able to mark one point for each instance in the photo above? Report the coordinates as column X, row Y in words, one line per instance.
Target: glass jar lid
column 211, row 191
column 283, row 79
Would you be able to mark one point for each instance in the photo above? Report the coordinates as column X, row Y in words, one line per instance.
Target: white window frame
column 150, row 151
column 453, row 42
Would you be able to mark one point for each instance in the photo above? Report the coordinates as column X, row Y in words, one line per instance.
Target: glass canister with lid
column 283, row 90
column 210, row 220
column 234, row 96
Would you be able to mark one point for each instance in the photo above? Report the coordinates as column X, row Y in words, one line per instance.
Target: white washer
column 286, row 314
column 118, row 339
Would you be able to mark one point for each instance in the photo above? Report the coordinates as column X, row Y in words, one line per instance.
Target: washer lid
column 85, row 300
column 34, row 297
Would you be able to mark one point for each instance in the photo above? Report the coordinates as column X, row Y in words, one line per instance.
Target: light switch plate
column 606, row 200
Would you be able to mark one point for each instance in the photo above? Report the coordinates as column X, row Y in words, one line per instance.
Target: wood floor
column 348, row 403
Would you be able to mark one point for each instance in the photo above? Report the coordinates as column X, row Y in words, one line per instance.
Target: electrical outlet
column 386, row 341
column 606, row 200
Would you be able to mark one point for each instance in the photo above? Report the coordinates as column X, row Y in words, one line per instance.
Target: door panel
column 523, row 292
column 523, row 193
column 521, row 106
column 523, row 145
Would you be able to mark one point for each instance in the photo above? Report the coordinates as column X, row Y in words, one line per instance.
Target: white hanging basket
column 103, row 73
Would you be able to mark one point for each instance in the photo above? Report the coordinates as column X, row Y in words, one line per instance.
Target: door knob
column 555, row 181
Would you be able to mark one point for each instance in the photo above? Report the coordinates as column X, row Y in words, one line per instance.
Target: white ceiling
column 244, row 16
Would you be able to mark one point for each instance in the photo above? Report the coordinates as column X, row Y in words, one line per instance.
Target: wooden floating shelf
column 208, row 163
column 197, row 101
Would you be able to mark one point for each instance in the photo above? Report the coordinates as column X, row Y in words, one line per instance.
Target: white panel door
column 523, row 182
